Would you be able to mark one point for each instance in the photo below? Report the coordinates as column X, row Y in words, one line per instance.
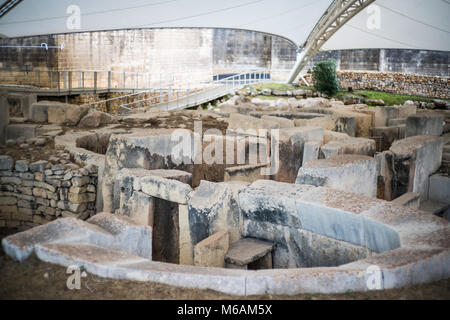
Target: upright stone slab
column 211, row 252
column 352, row 173
column 4, row 115
column 288, row 157
column 415, row 159
column 439, row 189
column 213, row 207
column 424, row 124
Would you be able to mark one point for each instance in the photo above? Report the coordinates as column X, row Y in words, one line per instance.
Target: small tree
column 325, row 77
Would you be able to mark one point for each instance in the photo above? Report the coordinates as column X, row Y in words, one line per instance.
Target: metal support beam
column 337, row 15
column 7, row 6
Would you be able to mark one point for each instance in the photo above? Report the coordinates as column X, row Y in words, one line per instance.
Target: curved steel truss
column 337, row 14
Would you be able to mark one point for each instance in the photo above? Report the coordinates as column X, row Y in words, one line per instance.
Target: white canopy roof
column 412, row 24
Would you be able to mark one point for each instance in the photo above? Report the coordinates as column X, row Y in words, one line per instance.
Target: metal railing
column 206, row 92
column 75, row 81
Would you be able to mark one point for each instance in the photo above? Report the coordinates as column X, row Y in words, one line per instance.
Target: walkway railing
column 76, row 81
column 173, row 99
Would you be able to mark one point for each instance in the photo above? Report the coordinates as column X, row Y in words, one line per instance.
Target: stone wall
column 425, row 62
column 35, row 193
column 400, row 83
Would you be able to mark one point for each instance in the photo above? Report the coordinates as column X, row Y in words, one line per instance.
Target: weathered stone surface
column 95, row 119
column 104, row 230
column 410, row 200
column 246, row 173
column 66, row 113
column 241, row 122
column 15, row 131
column 439, row 189
column 385, row 136
column 81, row 197
column 149, row 149
column 21, row 166
column 283, row 122
column 289, row 158
column 213, row 207
column 290, row 214
column 6, row 163
column 427, row 124
column 166, row 189
column 384, row 114
column 211, row 252
column 415, row 159
column 311, row 151
column 352, row 173
column 327, row 123
column 39, row 166
column 359, row 146
column 246, row 251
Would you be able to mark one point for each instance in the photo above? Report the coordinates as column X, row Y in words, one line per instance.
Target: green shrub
column 325, row 77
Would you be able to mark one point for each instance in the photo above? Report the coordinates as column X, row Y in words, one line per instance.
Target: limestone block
column 39, row 166
column 239, row 122
column 283, row 122
column 424, row 125
column 6, row 163
column 359, row 146
column 15, row 131
column 213, row 207
column 63, row 113
column 81, row 197
column 410, row 200
column 166, row 189
column 439, row 189
column 289, row 157
column 311, row 151
column 415, row 159
column 352, row 173
column 211, row 252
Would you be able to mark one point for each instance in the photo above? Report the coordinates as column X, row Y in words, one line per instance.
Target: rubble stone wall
column 399, row 83
column 35, row 193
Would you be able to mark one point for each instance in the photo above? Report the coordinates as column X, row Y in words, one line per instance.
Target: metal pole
column 95, row 82
column 123, row 80
column 39, row 78
column 70, row 81
column 109, row 81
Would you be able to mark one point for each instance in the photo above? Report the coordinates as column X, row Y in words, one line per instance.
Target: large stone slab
column 104, row 230
column 425, row 124
column 15, row 131
column 353, row 173
column 246, row 251
column 359, row 146
column 63, row 113
column 384, row 114
column 414, row 160
column 293, row 216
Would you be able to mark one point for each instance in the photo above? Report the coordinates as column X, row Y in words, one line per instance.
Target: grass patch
column 390, row 99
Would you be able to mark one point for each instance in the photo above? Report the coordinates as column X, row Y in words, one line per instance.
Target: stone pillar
column 381, row 65
column 4, row 115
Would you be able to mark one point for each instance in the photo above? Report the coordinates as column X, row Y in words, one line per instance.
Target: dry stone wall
column 399, row 83
column 35, row 193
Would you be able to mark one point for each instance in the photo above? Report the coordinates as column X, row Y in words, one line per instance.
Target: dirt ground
column 35, row 279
